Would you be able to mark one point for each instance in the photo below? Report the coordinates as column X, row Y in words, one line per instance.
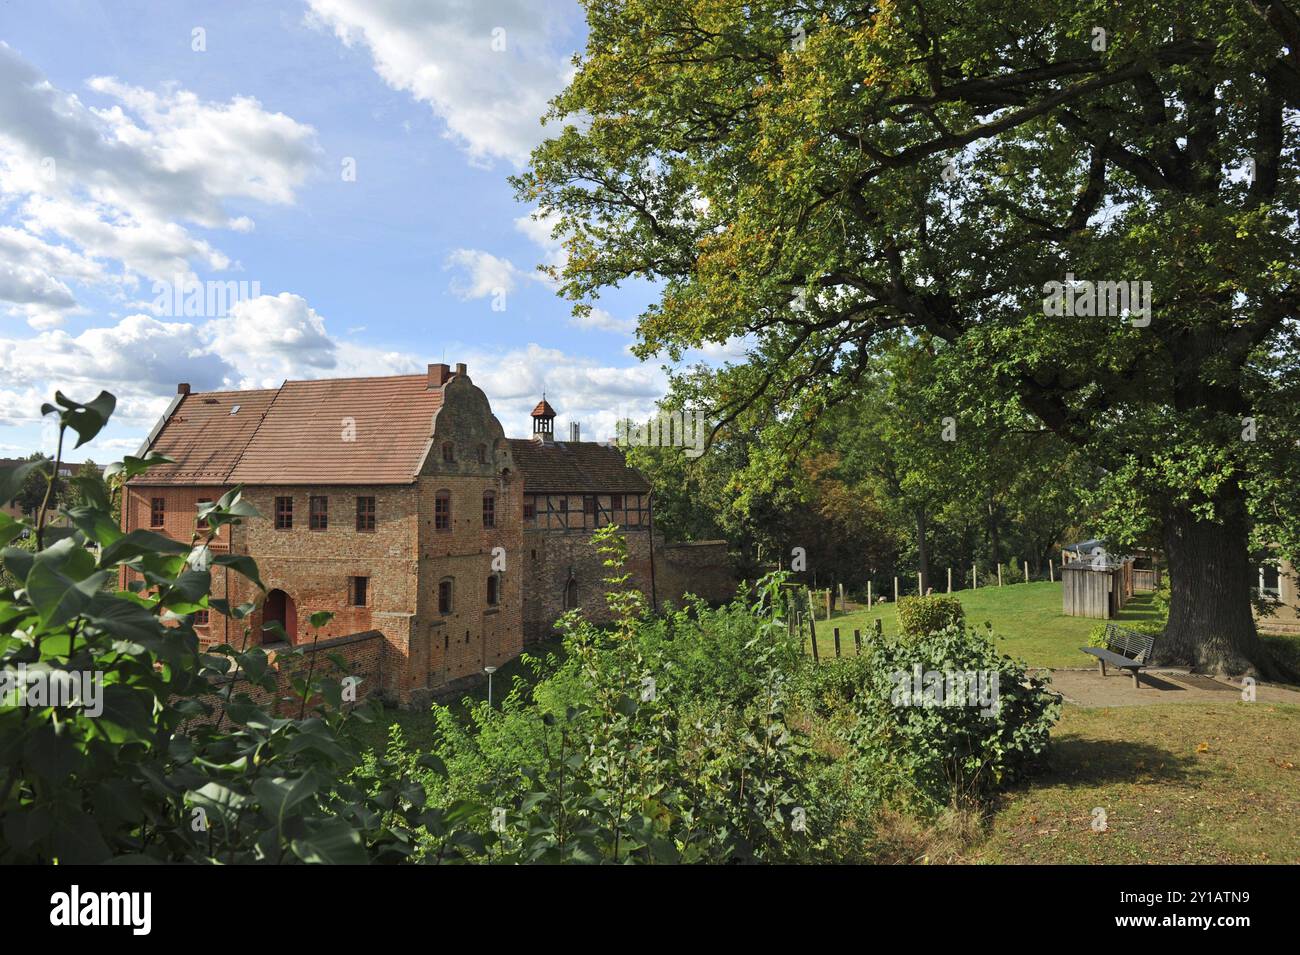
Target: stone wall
column 703, row 568
column 554, row 557
column 365, row 654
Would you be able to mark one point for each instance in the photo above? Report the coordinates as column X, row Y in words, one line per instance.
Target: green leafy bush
column 918, row 616
column 655, row 740
column 703, row 735
column 160, row 758
column 961, row 739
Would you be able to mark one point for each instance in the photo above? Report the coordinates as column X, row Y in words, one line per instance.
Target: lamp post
column 489, row 671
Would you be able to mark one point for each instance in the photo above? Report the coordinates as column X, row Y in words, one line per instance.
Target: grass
column 1026, row 618
column 1179, row 783
column 418, row 725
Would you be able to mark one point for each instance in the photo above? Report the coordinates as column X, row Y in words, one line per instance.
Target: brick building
column 399, row 504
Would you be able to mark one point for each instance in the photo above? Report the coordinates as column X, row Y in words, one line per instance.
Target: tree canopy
column 809, row 179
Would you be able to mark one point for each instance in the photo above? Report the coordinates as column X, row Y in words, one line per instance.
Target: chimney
column 183, row 388
column 438, row 375
column 575, row 431
column 461, row 370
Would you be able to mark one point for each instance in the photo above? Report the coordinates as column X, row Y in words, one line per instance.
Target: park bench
column 1126, row 649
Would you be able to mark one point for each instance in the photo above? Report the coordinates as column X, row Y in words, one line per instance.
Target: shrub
column 139, row 769
column 953, row 715
column 918, row 616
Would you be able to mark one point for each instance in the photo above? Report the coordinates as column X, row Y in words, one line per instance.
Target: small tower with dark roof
column 543, row 421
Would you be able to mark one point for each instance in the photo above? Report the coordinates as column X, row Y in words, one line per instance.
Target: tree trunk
column 922, row 549
column 995, row 540
column 1211, row 627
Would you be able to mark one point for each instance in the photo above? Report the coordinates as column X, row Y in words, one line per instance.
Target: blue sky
column 129, row 157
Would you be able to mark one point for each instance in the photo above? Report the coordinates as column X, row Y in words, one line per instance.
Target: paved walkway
column 1087, row 687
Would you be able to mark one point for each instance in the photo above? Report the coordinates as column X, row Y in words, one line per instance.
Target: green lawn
column 1179, row 783
column 1026, row 619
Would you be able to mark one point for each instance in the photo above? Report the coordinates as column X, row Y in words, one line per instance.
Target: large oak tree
column 815, row 175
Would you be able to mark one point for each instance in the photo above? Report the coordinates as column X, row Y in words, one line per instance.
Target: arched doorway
column 571, row 594
column 279, row 608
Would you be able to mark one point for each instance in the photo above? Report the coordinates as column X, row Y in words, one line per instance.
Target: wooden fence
column 1146, row 580
column 795, row 623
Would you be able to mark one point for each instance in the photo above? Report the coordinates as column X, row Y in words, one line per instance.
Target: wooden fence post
column 857, row 640
column 812, row 628
column 868, row 593
column 919, row 593
column 974, row 577
column 999, row 575
column 844, row 607
column 949, row 580
column 895, row 590
column 1051, row 570
column 837, row 642
column 828, row 603
column 1026, row 571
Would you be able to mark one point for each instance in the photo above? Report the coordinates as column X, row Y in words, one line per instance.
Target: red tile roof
column 298, row 434
column 574, row 466
column 204, row 438
column 304, row 437
column 543, row 410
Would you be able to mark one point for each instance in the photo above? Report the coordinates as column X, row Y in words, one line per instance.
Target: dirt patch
column 1087, row 687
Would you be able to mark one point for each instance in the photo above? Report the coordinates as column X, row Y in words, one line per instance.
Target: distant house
column 1279, row 585
column 67, row 469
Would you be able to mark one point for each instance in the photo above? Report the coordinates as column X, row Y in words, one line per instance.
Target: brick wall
column 180, row 522
column 364, row 655
column 703, row 568
column 451, row 649
column 313, row 567
column 555, row 557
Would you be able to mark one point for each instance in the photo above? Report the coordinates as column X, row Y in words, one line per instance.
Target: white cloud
column 442, row 54
column 594, row 393
column 152, row 247
column 264, row 341
column 234, row 149
column 602, row 321
column 269, row 338
column 260, row 343
column 538, row 227
column 106, row 195
column 480, row 274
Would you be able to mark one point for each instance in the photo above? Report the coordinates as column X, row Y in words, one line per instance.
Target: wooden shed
column 1089, row 590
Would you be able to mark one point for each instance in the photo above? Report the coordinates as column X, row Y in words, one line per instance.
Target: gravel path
column 1087, row 687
